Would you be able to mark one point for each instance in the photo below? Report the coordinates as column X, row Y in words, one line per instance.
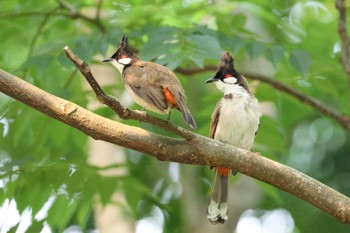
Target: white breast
column 238, row 120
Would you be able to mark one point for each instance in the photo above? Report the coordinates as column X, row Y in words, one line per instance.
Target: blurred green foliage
column 40, row 157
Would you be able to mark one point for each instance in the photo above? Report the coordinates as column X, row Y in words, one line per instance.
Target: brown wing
column 159, row 86
column 214, row 120
column 170, row 82
column 142, row 79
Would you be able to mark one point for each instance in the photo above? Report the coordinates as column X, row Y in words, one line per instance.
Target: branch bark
column 198, row 150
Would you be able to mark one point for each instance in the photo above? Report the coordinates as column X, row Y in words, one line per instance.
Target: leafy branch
column 194, row 149
column 64, row 9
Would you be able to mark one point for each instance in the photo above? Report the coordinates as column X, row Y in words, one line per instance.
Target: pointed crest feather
column 123, row 43
column 226, row 61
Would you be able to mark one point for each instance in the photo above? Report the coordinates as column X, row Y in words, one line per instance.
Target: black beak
column 213, row 79
column 107, row 60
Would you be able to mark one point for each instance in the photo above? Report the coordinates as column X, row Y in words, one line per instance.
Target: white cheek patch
column 124, row 61
column 230, row 80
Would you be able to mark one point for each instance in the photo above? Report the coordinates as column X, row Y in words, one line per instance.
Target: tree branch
column 344, row 38
column 198, row 150
column 98, row 9
column 74, row 13
column 321, row 107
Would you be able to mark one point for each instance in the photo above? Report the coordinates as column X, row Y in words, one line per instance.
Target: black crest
column 124, row 50
column 227, row 67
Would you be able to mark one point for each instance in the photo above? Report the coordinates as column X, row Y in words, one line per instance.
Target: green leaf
column 255, row 49
column 61, row 132
column 36, row 226
column 3, row 196
column 172, row 61
column 13, row 229
column 37, row 201
column 135, row 191
column 275, row 54
column 83, row 214
column 231, row 43
column 300, row 60
column 201, row 47
column 61, row 212
column 2, row 128
column 161, row 42
column 272, row 192
column 38, row 63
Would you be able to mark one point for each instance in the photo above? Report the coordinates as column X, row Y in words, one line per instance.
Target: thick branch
column 122, row 112
column 323, row 108
column 344, row 38
column 197, row 151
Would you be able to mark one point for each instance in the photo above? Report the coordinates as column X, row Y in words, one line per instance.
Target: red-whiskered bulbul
column 235, row 121
column 151, row 85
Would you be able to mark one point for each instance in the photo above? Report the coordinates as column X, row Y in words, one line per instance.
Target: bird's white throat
column 118, row 65
column 230, row 88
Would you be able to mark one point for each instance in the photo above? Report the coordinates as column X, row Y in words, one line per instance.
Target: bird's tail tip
column 192, row 123
column 187, row 115
column 216, row 215
column 189, row 119
column 218, row 205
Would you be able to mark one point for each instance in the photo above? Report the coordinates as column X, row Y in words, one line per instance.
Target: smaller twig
column 70, row 14
column 98, row 9
column 39, row 31
column 322, row 107
column 37, row 36
column 344, row 38
column 124, row 113
column 195, row 70
column 67, row 5
column 74, row 13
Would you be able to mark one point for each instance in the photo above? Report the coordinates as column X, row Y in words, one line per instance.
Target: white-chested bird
column 151, row 85
column 235, row 121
